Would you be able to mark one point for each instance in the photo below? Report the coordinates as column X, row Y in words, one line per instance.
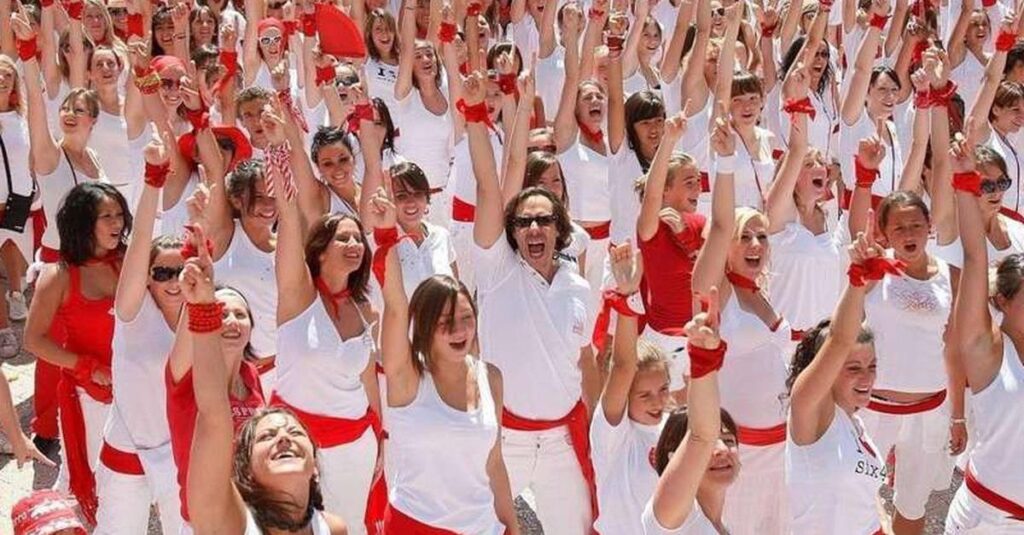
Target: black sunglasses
column 165, row 273
column 528, row 221
column 1001, row 184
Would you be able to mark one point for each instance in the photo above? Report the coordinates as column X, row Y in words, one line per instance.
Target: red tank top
column 181, row 417
column 90, row 327
column 668, row 273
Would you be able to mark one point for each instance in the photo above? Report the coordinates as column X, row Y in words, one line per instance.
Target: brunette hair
column 390, row 131
column 883, row 70
column 437, row 62
column 676, row 426
column 388, row 20
column 809, row 347
column 900, row 199
column 241, row 182
column 250, row 94
column 195, row 13
column 88, row 96
column 1009, row 276
column 641, row 106
column 162, row 15
column 563, row 225
column 537, row 163
column 166, row 242
column 985, row 155
column 77, row 217
column 793, row 53
column 411, row 177
column 426, row 308
column 746, row 83
column 676, row 162
column 321, row 234
column 329, row 135
column 269, row 508
column 64, row 48
column 1008, row 94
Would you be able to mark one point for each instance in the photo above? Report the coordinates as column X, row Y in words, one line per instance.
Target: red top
column 89, row 323
column 181, row 417
column 668, row 273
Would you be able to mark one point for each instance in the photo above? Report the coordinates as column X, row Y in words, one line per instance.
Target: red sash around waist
column 1012, row 214
column 121, row 462
column 579, row 434
column 81, row 479
column 48, row 255
column 768, row 436
column 399, row 523
column 848, row 198
column 463, row 211
column 991, row 497
column 599, row 232
column 925, row 405
column 328, row 431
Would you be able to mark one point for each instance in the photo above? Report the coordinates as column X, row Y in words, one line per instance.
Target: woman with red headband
column 325, row 342
column 94, row 222
column 267, row 43
column 136, row 468
column 833, row 470
column 735, row 260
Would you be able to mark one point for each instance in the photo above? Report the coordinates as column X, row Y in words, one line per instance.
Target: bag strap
column 74, row 175
column 7, row 165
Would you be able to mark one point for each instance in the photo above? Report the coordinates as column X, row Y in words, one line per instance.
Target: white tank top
column 318, row 523
column 891, row 167
column 462, row 171
column 821, row 129
column 969, row 74
column 753, row 378
column 999, row 435
column 110, row 136
column 586, row 180
column 623, row 170
column 437, row 458
column 341, row 206
column 1006, row 146
column 15, row 137
column 426, row 138
column 953, row 253
column 807, row 273
column 695, row 140
column 251, row 272
column 833, row 482
column 381, row 79
column 140, row 351
column 174, row 219
column 53, row 188
column 908, row 317
column 317, row 371
column 754, row 172
column 626, row 478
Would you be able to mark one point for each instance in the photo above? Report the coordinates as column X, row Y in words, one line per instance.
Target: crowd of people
column 381, row 266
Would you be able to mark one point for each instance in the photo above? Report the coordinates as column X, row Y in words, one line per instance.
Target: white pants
column 125, row 501
column 969, row 515
column 920, row 443
column 95, row 415
column 462, row 242
column 346, row 472
column 545, row 462
column 756, row 503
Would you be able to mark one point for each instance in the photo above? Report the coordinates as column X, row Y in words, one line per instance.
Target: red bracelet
column 1005, row 41
column 802, row 105
column 595, row 14
column 942, row 97
column 826, row 5
column 923, row 100
column 614, row 43
column 360, row 112
column 474, row 9
column 968, row 182
column 200, row 119
column 45, row 3
column 865, row 177
column 27, row 49
column 291, row 27
column 188, row 250
column 156, row 175
column 704, row 361
column 873, row 269
column 611, row 300
column 476, row 113
column 309, row 24
column 142, row 72
column 768, row 31
column 325, row 75
column 136, row 25
column 446, row 33
column 205, row 317
column 878, row 21
column 507, row 83
column 75, row 9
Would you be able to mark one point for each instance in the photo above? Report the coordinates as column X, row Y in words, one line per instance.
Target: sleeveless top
column 437, row 458
column 53, row 188
column 1006, row 147
column 174, row 218
column 807, row 272
column 755, row 170
column 833, row 482
column 426, row 138
column 318, row 523
column 998, row 409
column 341, row 206
column 249, row 270
column 89, row 322
column 110, row 135
column 463, row 179
column 908, row 317
column 889, row 169
column 953, row 252
column 753, row 378
column 586, row 180
column 16, row 144
column 319, row 372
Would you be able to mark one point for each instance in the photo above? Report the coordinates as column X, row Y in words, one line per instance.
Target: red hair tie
column 325, row 75
column 27, row 49
column 873, row 269
column 188, row 250
column 968, row 182
column 865, row 177
column 156, row 175
column 802, row 105
column 205, row 317
column 446, row 33
column 1005, row 41
column 611, row 300
column 360, row 112
column 507, row 83
column 878, row 21
column 475, row 113
column 474, row 9
column 704, row 361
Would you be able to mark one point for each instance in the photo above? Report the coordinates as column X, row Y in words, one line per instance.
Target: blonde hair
column 744, row 215
column 650, row 356
column 16, row 100
column 676, row 162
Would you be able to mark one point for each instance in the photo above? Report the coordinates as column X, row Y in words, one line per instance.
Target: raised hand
column 474, row 89
column 627, row 267
column 675, row 126
column 702, row 330
column 22, row 28
column 383, row 213
column 723, row 141
column 272, row 121
column 797, row 84
column 961, row 152
column 870, row 151
column 155, row 153
column 865, row 246
column 190, row 93
column 197, row 276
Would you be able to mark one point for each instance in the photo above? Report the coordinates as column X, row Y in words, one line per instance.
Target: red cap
column 45, row 512
column 243, row 149
column 339, row 35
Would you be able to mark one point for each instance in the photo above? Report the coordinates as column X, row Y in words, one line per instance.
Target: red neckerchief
column 333, row 298
column 594, row 136
column 740, row 281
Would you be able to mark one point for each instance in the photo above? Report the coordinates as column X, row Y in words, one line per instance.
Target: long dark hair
column 321, row 234
column 641, row 106
column 793, row 52
column 425, row 311
column 810, row 345
column 676, row 426
column 77, row 217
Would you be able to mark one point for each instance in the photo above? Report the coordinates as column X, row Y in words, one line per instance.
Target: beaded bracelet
column 205, row 317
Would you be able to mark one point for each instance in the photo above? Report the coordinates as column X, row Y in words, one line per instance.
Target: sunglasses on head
column 528, row 221
column 270, row 40
column 165, row 273
column 1001, row 184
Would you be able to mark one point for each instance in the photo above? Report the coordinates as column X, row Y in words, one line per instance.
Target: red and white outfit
column 319, row 378
column 464, row 205
column 755, row 170
column 16, row 153
column 695, row 524
column 994, row 482
column 753, row 384
column 626, row 477
column 908, row 317
column 833, row 482
column 822, row 128
column 545, row 437
column 890, row 169
column 437, row 462
column 427, row 140
column 53, row 188
column 586, row 181
column 807, row 273
column 136, row 465
column 246, row 268
column 433, row 256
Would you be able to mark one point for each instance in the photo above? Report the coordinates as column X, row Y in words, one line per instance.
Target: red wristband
column 826, row 5
column 878, row 21
column 968, row 182
column 865, row 176
column 704, row 361
column 474, row 9
column 75, row 9
column 325, row 75
column 476, row 113
column 802, row 105
column 385, row 239
column 874, row 269
column 923, row 100
column 309, row 24
column 768, row 31
column 136, row 25
column 27, row 49
column 611, row 300
column 205, row 317
column 359, row 113
column 200, row 119
column 156, row 175
column 1005, row 41
column 942, row 97
column 595, row 14
column 188, row 250
column 446, row 33
column 507, row 83
column 45, row 3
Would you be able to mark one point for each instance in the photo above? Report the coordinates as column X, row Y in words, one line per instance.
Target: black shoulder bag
column 18, row 206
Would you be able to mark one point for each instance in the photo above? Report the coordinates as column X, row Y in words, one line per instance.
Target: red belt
column 925, row 405
column 579, row 436
column 1012, row 214
column 121, row 462
column 993, row 498
column 848, row 198
column 399, row 523
column 768, row 436
column 705, row 182
column 463, row 211
column 48, row 255
column 328, row 431
column 600, row 231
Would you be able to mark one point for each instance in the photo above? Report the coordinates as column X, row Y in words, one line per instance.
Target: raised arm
column 711, row 261
column 695, row 86
column 727, row 57
column 791, row 22
column 630, row 58
column 893, row 36
column 911, row 178
column 672, row 59
column 657, row 176
column 990, row 84
column 45, row 153
column 407, row 41
column 215, row 506
column 856, row 89
column 547, row 29
column 870, row 152
column 254, row 12
column 769, row 21
column 52, row 77
column 627, row 270
column 781, row 206
column 597, row 16
column 77, row 61
column 616, row 95
column 941, row 188
column 566, row 127
column 957, row 45
column 179, row 18
column 489, row 219
column 515, row 153
column 218, row 219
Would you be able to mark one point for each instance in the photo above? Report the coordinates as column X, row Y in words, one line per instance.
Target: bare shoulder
column 336, row 524
column 494, row 377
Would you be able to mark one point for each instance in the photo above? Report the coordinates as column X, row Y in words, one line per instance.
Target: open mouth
column 752, row 261
column 595, row 113
column 411, row 212
column 352, row 255
column 535, row 249
column 231, row 334
column 173, row 292
column 459, row 346
column 285, row 454
column 655, row 415
column 863, row 391
column 721, row 465
column 910, row 247
column 818, row 183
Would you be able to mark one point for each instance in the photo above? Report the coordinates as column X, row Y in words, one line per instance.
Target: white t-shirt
column 695, row 524
column 622, row 456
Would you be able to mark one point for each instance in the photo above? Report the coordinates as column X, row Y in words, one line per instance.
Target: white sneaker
column 9, row 345
column 17, row 309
